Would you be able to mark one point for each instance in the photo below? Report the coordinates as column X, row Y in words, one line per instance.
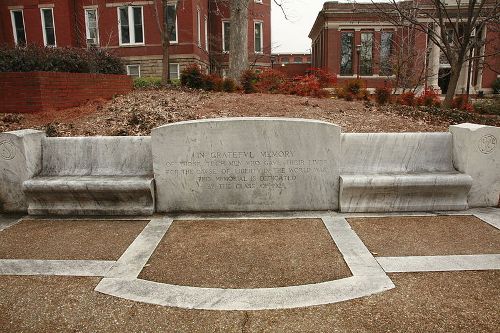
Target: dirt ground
column 427, row 235
column 246, row 254
column 140, row 111
column 421, row 302
column 63, row 239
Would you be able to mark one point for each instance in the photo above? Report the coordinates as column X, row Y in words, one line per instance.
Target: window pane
column 91, row 23
column 124, row 25
column 171, row 18
column 174, row 71
column 346, row 40
column 258, row 37
column 366, row 67
column 19, row 27
column 198, row 27
column 134, row 70
column 49, row 27
column 226, row 45
column 385, row 53
column 297, row 60
column 137, row 24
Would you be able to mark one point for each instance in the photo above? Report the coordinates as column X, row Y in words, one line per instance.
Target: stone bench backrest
column 378, row 153
column 97, row 156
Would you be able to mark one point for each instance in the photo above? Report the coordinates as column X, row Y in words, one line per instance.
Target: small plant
column 213, row 82
column 407, row 98
column 248, row 80
column 354, row 89
column 147, row 83
column 325, row 78
column 192, row 77
column 429, row 97
column 488, row 106
column 460, row 102
column 383, row 95
column 496, row 86
column 228, row 85
column 270, row 81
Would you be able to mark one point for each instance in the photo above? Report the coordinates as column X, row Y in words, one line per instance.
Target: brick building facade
column 351, row 41
column 132, row 30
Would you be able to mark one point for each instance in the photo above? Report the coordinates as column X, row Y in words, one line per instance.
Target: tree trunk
column 165, row 36
column 456, row 68
column 238, row 39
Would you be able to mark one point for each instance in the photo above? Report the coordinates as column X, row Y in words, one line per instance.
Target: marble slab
column 476, row 151
column 20, row 159
column 246, row 164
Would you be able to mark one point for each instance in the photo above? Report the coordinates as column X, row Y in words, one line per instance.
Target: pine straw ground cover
column 140, row 111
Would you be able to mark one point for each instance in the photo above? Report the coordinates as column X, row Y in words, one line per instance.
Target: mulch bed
column 68, row 239
column 421, row 302
column 140, row 111
column 246, row 254
column 427, row 236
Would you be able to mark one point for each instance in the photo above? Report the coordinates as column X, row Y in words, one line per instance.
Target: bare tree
column 454, row 26
column 166, row 28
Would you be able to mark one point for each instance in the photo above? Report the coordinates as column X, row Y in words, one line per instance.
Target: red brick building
column 352, row 41
column 131, row 30
column 292, row 64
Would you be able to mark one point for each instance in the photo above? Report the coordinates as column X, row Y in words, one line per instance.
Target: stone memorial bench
column 93, row 176
column 382, row 172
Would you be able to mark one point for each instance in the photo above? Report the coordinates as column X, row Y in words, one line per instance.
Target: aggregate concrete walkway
column 369, row 273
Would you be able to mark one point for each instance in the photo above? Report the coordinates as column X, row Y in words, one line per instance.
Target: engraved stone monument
column 246, row 164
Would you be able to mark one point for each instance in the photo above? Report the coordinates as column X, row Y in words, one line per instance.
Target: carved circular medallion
column 487, row 144
column 7, row 150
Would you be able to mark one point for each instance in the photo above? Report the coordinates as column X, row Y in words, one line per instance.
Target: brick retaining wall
column 28, row 92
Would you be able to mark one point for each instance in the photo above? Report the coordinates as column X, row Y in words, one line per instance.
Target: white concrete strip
column 368, row 277
column 489, row 215
column 253, row 215
column 55, row 267
column 137, row 254
column 440, row 263
column 240, row 299
column 7, row 221
column 394, row 214
column 359, row 259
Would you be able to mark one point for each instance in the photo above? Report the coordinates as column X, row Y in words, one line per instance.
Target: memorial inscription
column 274, row 164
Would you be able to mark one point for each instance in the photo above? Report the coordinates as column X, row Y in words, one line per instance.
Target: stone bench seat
column 93, row 176
column 404, row 192
column 390, row 172
column 90, row 195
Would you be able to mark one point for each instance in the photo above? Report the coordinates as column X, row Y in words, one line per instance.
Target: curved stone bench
column 384, row 172
column 93, row 176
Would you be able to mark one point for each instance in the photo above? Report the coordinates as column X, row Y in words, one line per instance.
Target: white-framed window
column 258, row 1
column 206, row 33
column 91, row 26
column 171, row 17
column 134, row 70
column 130, row 25
column 48, row 26
column 17, row 18
column 258, row 37
column 174, row 71
column 198, row 27
column 226, row 28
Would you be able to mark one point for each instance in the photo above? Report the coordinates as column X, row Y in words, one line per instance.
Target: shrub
column 407, row 98
column 496, row 86
column 353, row 89
column 307, row 85
column 192, row 77
column 147, row 83
column 213, row 82
column 383, row 95
column 228, row 85
column 429, row 97
column 270, row 80
column 33, row 58
column 325, row 78
column 460, row 102
column 488, row 106
column 248, row 80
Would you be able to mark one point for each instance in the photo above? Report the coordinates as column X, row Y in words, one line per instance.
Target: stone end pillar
column 476, row 152
column 20, row 159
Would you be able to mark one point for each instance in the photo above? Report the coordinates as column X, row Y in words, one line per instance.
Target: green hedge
column 34, row 58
